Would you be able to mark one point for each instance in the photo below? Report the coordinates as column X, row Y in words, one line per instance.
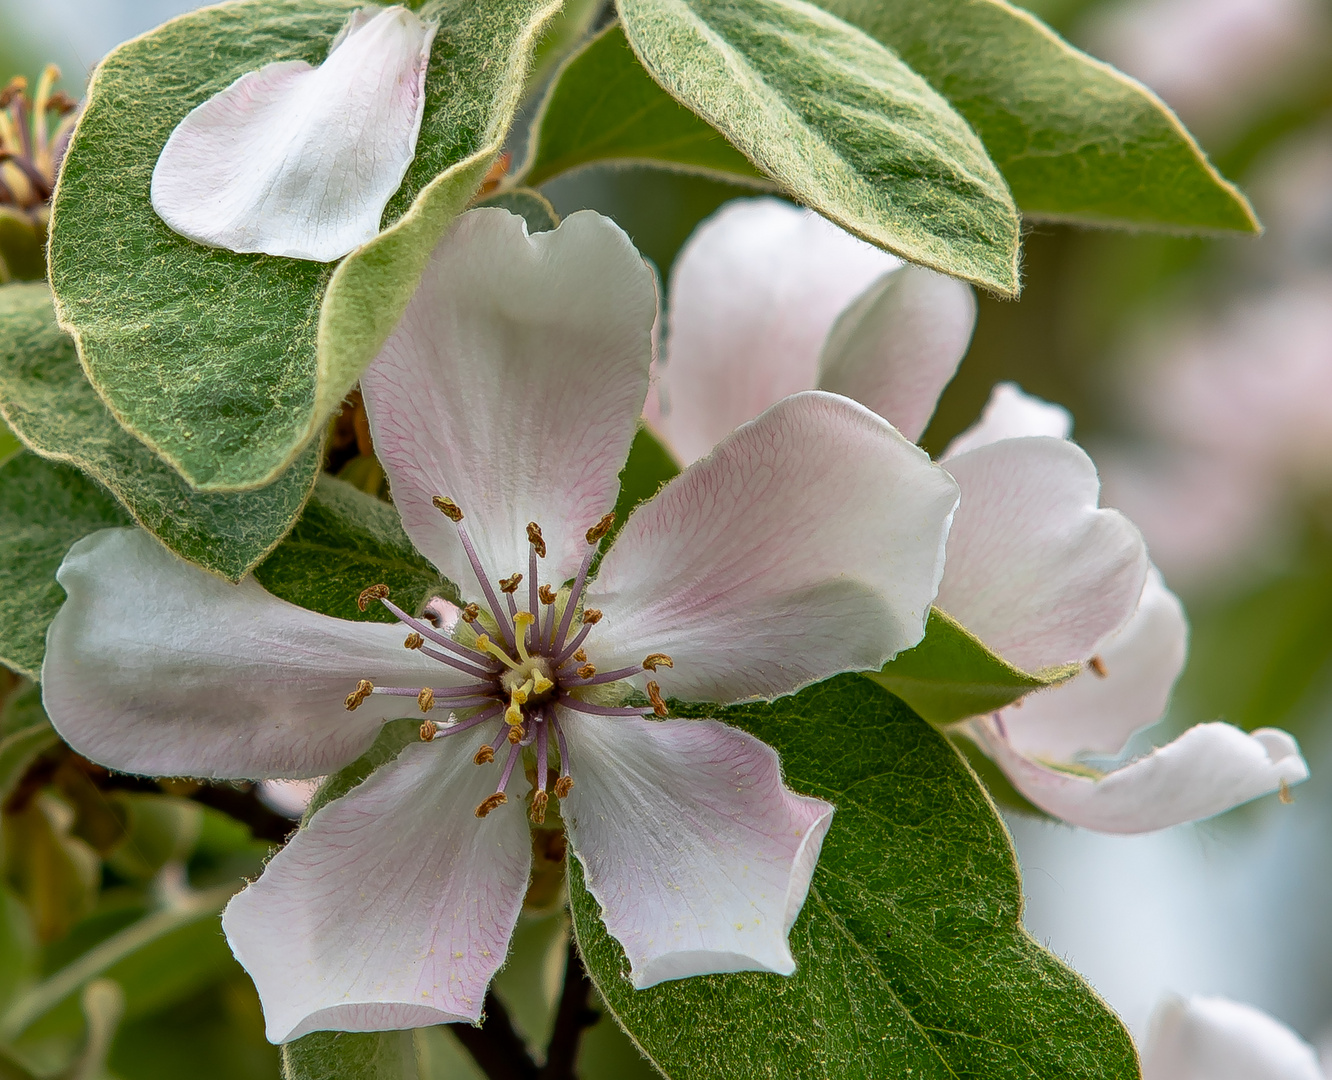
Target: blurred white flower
column 1213, row 1038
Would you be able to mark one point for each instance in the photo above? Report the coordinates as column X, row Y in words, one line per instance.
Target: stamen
column 426, row 699
column 490, row 750
column 587, row 671
column 472, row 721
column 565, row 782
column 470, row 613
column 579, row 705
column 575, row 595
column 448, row 508
column 656, row 659
column 477, row 569
column 510, row 584
column 484, row 756
column 572, row 649
column 432, row 634
column 533, row 593
column 373, row 592
column 563, row 786
column 535, row 538
column 516, row 734
column 458, row 665
column 1098, row 667
column 490, row 802
column 605, row 676
column 363, row 690
column 428, row 731
column 537, row 815
column 414, row 641
column 542, row 758
column 580, row 655
column 547, row 594
column 591, row 616
column 654, row 696
column 601, row 528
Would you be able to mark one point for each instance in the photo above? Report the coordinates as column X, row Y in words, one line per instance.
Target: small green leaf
column 604, row 107
column 158, row 829
column 531, row 206
column 46, row 399
column 840, row 123
column 21, row 243
column 56, row 873
column 1075, row 139
column 19, row 750
column 912, row 958
column 647, row 468
column 228, row 365
column 103, row 1007
column 44, row 508
column 951, row 675
column 343, row 542
column 349, row 1055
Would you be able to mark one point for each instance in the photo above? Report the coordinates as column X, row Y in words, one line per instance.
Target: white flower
column 767, row 300
column 1203, row 1038
column 300, row 161
column 809, row 543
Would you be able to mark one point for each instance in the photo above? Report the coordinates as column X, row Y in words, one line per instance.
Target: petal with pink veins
column 1097, row 710
column 810, row 542
column 513, row 386
column 898, row 345
column 300, row 161
column 1035, row 569
column 1207, row 770
column 1208, row 1038
column 753, row 295
column 697, row 853
column 1011, row 414
column 156, row 667
column 393, row 907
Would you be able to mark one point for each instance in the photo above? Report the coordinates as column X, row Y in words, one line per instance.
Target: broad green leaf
column 840, row 123
column 46, row 398
column 57, row 874
column 228, row 365
column 603, row 107
column 531, row 206
column 951, row 675
column 647, row 468
column 44, row 508
column 158, row 829
column 912, row 958
column 343, row 542
column 350, row 1055
column 563, row 34
column 21, row 254
column 1075, row 139
column 9, row 443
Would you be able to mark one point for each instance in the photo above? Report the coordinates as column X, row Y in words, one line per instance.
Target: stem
column 495, row 1046
column 575, row 1016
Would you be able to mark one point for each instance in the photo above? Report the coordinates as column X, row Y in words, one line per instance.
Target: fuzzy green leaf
column 912, row 958
column 604, row 107
column 840, row 123
column 227, row 365
column 46, row 398
column 951, row 675
column 1075, row 139
column 343, row 542
column 531, row 206
column 350, row 1055
column 44, row 508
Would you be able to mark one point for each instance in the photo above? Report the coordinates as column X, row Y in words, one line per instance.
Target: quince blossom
column 300, row 161
column 766, row 300
column 810, row 542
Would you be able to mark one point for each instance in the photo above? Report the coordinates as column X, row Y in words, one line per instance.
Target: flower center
column 525, row 669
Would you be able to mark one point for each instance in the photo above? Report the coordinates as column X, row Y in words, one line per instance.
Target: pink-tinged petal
column 697, row 853
column 898, row 345
column 1207, row 770
column 1097, row 713
column 154, row 666
column 753, row 295
column 808, row 543
column 393, row 907
column 1205, row 1038
column 1011, row 414
column 1035, row 569
column 513, row 385
column 298, row 161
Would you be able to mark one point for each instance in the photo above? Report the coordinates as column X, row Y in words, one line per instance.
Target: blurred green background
column 1199, row 372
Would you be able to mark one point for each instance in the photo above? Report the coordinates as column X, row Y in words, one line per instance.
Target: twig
column 575, row 1016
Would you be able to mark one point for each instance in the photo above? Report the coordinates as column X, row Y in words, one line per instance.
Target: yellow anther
column 484, row 756
column 448, row 508
column 563, row 786
column 535, row 538
column 362, row 691
column 470, row 613
column 657, row 659
column 490, row 802
column 426, row 699
column 414, row 641
column 538, row 812
column 654, row 696
column 600, row 529
column 587, row 671
column 1098, row 667
column 591, row 616
column 547, row 594
column 428, row 730
column 374, row 592
column 510, row 584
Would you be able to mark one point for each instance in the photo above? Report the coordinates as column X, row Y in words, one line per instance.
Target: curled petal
column 513, row 386
column 697, row 853
column 1035, row 569
column 1011, row 414
column 299, row 161
column 392, row 908
column 753, row 294
column 1097, row 711
column 810, row 542
column 1204, row 1038
column 154, row 666
column 898, row 345
column 1207, row 770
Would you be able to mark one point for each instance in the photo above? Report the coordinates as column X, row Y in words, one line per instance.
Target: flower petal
column 513, row 385
column 753, row 294
column 1035, row 569
column 1011, row 414
column 898, row 345
column 392, row 908
column 154, row 666
column 808, row 543
column 1207, row 770
column 299, row 161
column 1097, row 714
column 697, row 853
column 1204, row 1038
